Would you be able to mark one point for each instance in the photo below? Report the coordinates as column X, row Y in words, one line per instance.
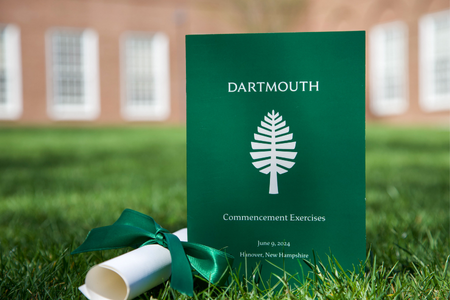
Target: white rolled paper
column 130, row 274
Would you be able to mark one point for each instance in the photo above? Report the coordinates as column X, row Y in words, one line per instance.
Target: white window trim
column 429, row 101
column 12, row 109
column 91, row 108
column 160, row 110
column 379, row 105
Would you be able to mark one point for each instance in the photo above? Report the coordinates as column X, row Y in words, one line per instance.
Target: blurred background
column 123, row 61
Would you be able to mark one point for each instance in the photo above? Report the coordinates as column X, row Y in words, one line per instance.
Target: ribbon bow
column 134, row 229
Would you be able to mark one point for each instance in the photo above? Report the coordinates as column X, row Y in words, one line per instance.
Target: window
column 434, row 54
column 73, row 92
column 145, row 76
column 388, row 69
column 10, row 73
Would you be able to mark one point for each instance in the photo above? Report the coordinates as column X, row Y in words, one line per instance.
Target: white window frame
column 159, row 109
column 428, row 99
column 90, row 108
column 380, row 104
column 12, row 108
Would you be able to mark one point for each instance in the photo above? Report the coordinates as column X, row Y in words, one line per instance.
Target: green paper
column 276, row 147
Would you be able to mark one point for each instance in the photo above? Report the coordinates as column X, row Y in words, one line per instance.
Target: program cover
column 276, row 147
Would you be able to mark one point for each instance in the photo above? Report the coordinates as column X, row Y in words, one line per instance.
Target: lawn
column 58, row 183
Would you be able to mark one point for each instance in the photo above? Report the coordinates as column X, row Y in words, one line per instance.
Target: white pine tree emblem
column 273, row 137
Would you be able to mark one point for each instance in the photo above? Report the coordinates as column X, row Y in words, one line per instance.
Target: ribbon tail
column 181, row 278
column 210, row 263
column 113, row 237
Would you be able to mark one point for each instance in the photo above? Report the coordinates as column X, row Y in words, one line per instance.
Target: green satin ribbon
column 134, row 229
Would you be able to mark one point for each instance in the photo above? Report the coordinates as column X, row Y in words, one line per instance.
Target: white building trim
column 11, row 73
column 388, row 44
column 434, row 61
column 72, row 74
column 145, row 79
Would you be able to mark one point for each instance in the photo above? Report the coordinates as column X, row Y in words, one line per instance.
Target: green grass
column 57, row 184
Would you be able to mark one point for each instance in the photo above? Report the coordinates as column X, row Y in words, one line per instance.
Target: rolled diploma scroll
column 130, row 274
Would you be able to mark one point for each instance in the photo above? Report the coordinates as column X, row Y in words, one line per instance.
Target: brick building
column 122, row 61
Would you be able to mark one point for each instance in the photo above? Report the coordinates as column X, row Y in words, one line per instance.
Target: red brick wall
column 327, row 15
column 111, row 18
